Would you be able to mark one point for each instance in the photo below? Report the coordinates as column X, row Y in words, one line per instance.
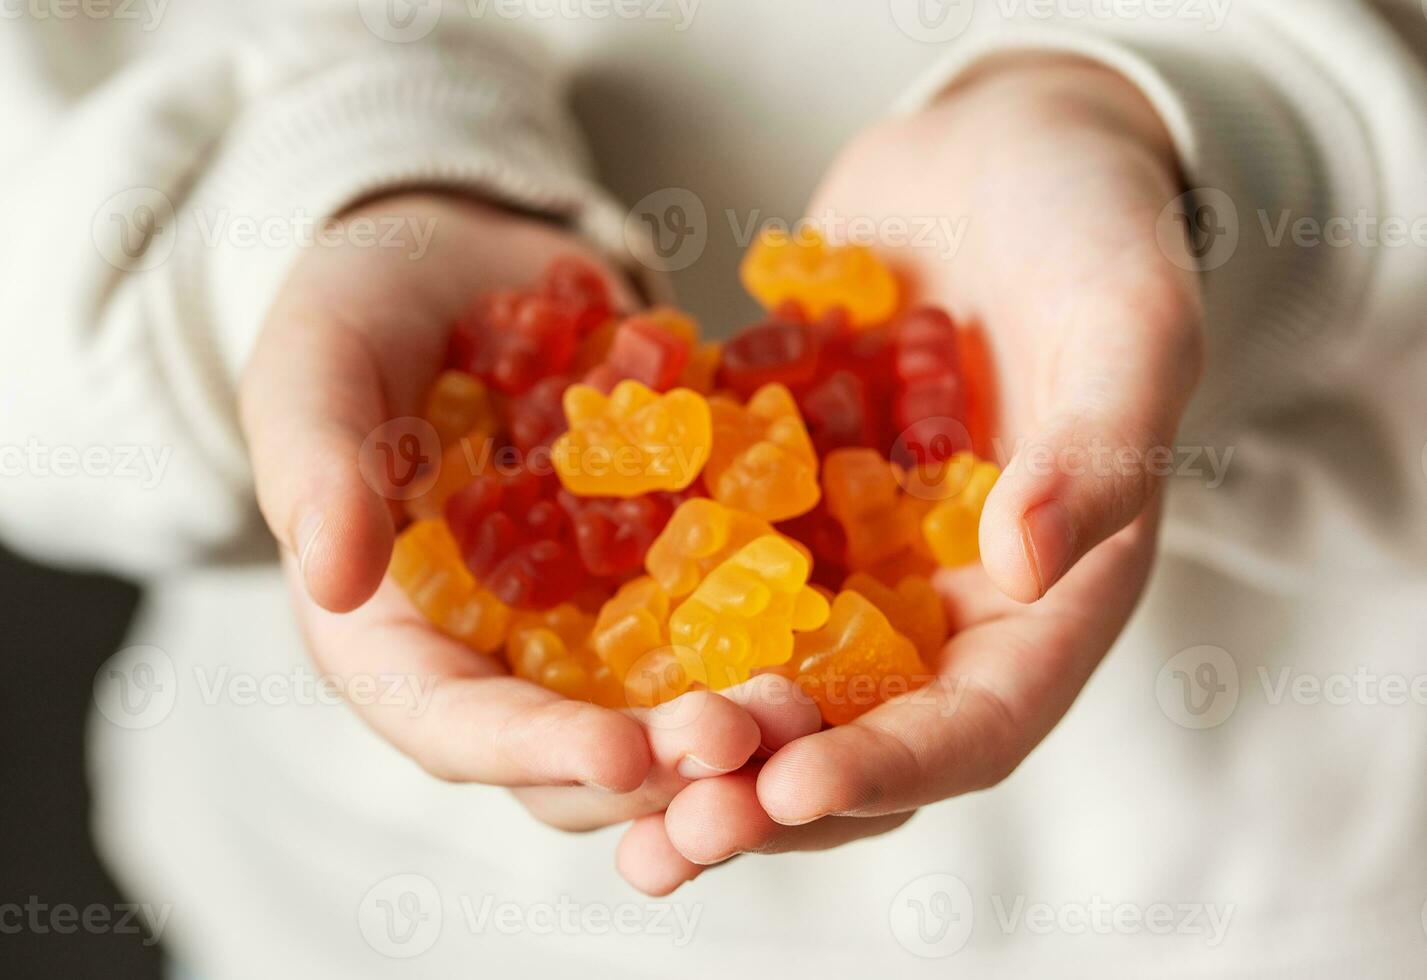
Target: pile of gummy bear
column 628, row 512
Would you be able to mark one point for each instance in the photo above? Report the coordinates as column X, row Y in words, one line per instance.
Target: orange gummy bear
column 428, row 566
column 855, row 662
column 744, row 613
column 819, row 277
column 864, row 496
column 550, row 648
column 913, row 607
column 762, row 460
column 952, row 528
column 631, row 635
column 632, row 441
column 457, row 405
column 699, row 537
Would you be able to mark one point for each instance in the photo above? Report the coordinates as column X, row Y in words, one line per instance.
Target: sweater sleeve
column 151, row 223
column 1296, row 124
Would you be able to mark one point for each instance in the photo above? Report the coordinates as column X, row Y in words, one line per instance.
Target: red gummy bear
column 613, row 534
column 782, row 349
column 929, row 405
column 516, row 539
column 839, row 414
column 823, row 535
column 537, row 418
column 642, row 351
column 514, row 337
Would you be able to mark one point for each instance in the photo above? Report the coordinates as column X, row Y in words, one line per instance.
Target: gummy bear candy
column 428, row 567
column 551, row 649
column 632, row 441
column 780, row 350
column 822, row 535
column 913, row 608
column 613, row 534
column 537, row 418
column 864, row 496
column 952, row 527
column 459, row 463
column 458, row 404
column 700, row 536
column 855, row 662
column 701, row 372
column 511, row 339
column 762, row 460
column 805, row 268
column 839, row 414
column 516, row 539
column 744, row 613
column 652, row 349
column 929, row 407
column 578, row 286
column 631, row 624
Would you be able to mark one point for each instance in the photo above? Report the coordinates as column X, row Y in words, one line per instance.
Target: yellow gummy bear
column 804, row 268
column 762, row 459
column 551, row 649
column 744, row 613
column 952, row 528
column 699, row 537
column 631, row 635
column 427, row 564
column 632, row 441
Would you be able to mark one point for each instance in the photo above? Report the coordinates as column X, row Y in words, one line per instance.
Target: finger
column 717, row 819
column 781, row 709
column 1003, row 685
column 698, row 735
column 458, row 715
column 1130, row 364
column 648, row 861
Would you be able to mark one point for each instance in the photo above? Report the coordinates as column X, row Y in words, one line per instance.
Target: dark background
column 57, row 628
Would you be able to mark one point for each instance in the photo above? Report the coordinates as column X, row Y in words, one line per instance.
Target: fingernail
column 692, row 767
column 308, row 530
column 1048, row 537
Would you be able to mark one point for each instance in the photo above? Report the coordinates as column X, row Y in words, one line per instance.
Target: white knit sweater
column 160, row 163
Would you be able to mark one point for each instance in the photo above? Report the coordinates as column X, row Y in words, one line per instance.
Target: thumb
column 1095, row 464
column 313, row 404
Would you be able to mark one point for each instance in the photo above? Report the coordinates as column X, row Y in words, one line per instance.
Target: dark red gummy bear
column 537, row 418
column 614, row 534
column 516, row 538
column 824, row 537
column 641, row 351
column 577, row 284
column 929, row 405
column 783, row 348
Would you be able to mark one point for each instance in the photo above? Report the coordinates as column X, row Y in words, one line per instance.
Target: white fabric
column 1300, row 820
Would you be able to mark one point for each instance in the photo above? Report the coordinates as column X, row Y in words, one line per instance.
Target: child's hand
column 354, row 339
column 1061, row 170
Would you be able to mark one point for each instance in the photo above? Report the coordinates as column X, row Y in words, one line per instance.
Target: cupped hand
column 1054, row 173
column 354, row 339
